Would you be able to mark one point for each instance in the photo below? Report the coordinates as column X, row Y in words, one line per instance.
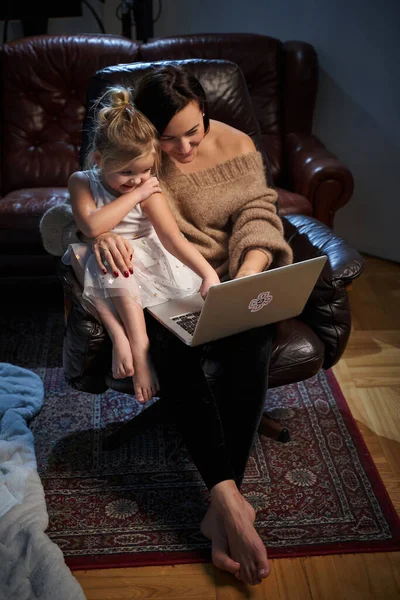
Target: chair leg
column 146, row 418
column 67, row 308
column 273, row 430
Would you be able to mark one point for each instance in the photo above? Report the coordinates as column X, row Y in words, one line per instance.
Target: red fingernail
column 116, row 274
column 126, row 274
column 131, row 270
column 105, row 271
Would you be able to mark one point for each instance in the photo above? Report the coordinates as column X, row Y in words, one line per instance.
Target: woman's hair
column 165, row 91
column 121, row 132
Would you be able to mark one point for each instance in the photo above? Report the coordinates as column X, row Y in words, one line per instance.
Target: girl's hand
column 146, row 189
column 116, row 251
column 208, row 281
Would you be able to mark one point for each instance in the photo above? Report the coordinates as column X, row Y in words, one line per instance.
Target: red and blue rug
column 141, row 503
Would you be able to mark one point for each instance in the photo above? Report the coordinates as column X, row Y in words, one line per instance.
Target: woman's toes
column 246, row 576
column 222, row 561
column 264, row 572
column 256, row 578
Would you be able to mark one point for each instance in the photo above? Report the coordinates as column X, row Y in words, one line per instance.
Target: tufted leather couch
column 303, row 345
column 43, row 93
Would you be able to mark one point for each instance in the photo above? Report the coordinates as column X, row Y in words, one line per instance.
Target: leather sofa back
column 44, row 83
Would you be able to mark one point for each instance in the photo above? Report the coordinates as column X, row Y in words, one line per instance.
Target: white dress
column 158, row 276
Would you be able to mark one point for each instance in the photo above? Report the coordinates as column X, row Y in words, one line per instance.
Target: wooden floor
column 369, row 375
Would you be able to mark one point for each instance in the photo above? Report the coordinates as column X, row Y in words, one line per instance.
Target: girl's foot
column 122, row 361
column 145, row 379
column 244, row 544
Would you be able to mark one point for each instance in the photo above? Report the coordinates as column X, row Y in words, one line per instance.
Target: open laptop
column 241, row 304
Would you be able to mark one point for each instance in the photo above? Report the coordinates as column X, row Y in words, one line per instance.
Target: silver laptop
column 241, row 304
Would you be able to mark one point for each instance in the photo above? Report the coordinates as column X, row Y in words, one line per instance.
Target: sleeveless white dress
column 158, row 276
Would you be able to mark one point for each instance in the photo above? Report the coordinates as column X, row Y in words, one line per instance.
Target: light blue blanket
column 21, row 398
column 31, row 565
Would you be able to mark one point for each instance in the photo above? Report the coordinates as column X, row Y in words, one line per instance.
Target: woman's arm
column 93, row 221
column 158, row 212
column 257, row 231
column 255, row 261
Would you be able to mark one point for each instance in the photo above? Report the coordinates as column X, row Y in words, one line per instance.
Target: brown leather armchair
column 314, row 340
column 43, row 97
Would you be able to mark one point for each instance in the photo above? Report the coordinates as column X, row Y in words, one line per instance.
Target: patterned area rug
column 141, row 504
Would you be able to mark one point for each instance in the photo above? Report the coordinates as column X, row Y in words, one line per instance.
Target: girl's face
column 183, row 134
column 127, row 178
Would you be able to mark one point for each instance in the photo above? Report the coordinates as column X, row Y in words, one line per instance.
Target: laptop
column 241, row 304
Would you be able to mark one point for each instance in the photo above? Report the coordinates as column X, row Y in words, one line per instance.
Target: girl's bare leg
column 122, row 360
column 145, row 378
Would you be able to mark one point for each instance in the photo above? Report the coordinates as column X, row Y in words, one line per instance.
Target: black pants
column 217, row 393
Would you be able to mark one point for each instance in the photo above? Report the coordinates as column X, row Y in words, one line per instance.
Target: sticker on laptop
column 262, row 300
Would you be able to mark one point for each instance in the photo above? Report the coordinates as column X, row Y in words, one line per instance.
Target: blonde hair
column 121, row 132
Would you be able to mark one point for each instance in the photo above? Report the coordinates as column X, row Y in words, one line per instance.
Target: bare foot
column 212, row 528
column 245, row 545
column 122, row 361
column 145, row 379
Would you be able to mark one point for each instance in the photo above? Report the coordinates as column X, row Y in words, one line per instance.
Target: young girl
column 120, row 193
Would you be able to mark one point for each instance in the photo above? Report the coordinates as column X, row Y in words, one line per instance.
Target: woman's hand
column 255, row 261
column 245, row 272
column 208, row 281
column 114, row 250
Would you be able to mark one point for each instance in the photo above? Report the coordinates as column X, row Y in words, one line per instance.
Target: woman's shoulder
column 230, row 142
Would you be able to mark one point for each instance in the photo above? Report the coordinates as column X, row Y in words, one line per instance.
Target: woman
column 214, row 180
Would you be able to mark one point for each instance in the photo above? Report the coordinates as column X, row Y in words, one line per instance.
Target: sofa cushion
column 20, row 213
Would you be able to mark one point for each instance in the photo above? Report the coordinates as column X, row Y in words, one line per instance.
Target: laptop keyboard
column 187, row 321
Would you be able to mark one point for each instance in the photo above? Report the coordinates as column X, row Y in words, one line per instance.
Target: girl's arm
column 158, row 212
column 93, row 221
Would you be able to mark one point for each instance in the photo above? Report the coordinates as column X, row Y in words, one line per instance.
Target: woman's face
column 183, row 134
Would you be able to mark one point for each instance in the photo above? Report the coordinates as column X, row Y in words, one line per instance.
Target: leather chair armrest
column 317, row 174
column 87, row 347
column 327, row 311
column 308, row 237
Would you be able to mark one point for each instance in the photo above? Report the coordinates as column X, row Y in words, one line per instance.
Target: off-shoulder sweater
column 226, row 210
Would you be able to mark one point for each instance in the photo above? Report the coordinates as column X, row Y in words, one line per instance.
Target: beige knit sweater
column 226, row 210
